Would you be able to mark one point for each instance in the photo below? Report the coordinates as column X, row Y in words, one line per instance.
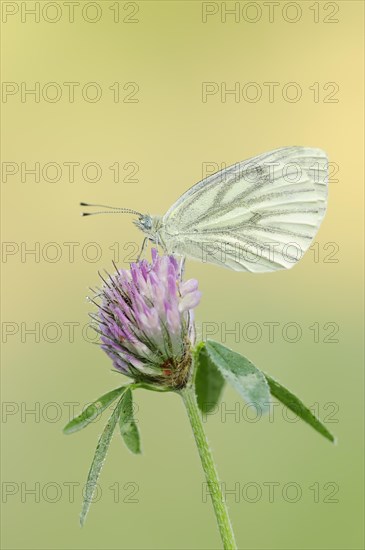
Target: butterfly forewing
column 257, row 215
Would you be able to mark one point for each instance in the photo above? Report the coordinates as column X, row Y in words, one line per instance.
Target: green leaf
column 297, row 406
column 249, row 381
column 92, row 411
column 209, row 382
column 127, row 424
column 98, row 460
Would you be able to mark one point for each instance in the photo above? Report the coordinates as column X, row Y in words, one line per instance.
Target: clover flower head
column 146, row 321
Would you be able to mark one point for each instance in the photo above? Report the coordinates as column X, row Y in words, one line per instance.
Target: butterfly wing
column 258, row 215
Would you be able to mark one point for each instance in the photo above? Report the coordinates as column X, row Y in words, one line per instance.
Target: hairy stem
column 220, row 508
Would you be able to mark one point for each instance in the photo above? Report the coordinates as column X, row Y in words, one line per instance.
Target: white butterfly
column 258, row 215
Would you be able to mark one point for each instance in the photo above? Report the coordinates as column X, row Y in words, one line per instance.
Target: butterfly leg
column 182, row 266
column 144, row 244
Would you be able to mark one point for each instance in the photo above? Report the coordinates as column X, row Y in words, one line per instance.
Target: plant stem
column 220, row 508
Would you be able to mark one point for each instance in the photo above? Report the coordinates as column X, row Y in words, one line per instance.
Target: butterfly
column 258, row 215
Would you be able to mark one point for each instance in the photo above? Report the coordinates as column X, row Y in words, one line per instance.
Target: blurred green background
column 160, row 140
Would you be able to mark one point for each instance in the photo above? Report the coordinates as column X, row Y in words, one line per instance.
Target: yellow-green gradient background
column 170, row 132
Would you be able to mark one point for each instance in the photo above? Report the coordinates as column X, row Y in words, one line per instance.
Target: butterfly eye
column 147, row 223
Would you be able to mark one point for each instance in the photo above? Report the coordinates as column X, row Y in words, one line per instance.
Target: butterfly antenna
column 112, row 210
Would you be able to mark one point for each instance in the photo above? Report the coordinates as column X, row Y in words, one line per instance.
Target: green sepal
column 92, row 411
column 128, row 427
column 209, row 382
